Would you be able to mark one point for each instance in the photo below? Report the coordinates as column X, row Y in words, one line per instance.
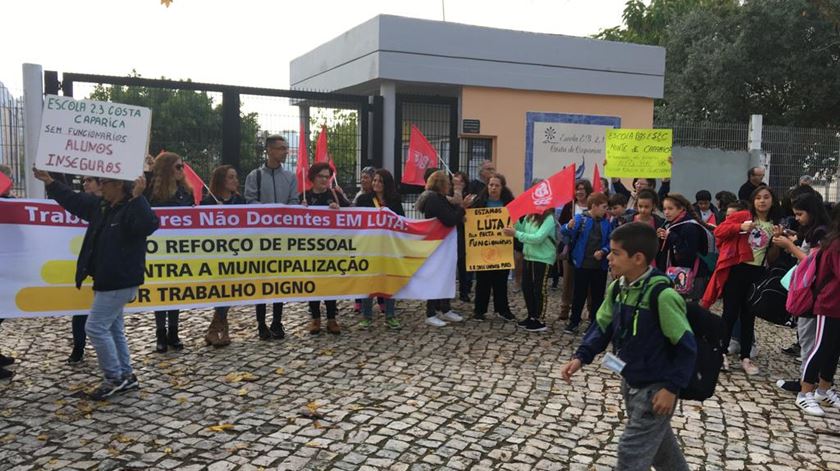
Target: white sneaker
column 830, row 398
column 434, row 321
column 754, row 349
column 809, row 405
column 451, row 316
column 734, row 347
column 749, row 367
column 725, row 366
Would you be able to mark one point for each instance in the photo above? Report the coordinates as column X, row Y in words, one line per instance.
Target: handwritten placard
column 487, row 246
column 642, row 153
column 97, row 138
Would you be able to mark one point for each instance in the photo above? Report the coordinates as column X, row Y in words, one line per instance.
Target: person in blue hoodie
column 589, row 234
column 655, row 349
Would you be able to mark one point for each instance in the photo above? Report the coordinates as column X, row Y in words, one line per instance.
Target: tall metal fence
column 11, row 137
column 794, row 152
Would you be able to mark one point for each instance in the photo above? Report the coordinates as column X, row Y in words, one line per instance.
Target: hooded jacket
column 579, row 236
column 684, row 243
column 276, row 185
column 733, row 249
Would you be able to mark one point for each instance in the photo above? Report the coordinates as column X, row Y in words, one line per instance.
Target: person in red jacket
column 731, row 250
column 820, row 365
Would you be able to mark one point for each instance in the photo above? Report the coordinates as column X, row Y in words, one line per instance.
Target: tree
column 727, row 59
column 342, row 142
column 188, row 123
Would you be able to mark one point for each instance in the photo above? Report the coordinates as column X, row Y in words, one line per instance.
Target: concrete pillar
column 33, row 102
column 388, row 91
column 758, row 158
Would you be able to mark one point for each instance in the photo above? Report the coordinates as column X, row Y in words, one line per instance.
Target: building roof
column 426, row 53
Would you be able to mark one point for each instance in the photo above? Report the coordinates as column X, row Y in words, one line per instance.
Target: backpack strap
column 259, row 183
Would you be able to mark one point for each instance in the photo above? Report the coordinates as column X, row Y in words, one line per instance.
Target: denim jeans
column 367, row 308
column 106, row 331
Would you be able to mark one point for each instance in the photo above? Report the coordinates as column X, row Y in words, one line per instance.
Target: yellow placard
column 639, row 153
column 487, row 247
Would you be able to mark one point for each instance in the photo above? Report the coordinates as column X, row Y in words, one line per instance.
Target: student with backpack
column 812, row 222
column 684, row 241
column 820, row 364
column 589, row 236
column 746, row 247
column 655, row 353
column 583, row 188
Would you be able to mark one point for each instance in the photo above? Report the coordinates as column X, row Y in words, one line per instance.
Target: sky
column 239, row 42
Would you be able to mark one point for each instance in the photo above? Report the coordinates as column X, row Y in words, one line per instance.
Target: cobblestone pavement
column 476, row 395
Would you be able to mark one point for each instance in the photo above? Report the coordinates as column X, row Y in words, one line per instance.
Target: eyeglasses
column 179, row 166
column 323, row 175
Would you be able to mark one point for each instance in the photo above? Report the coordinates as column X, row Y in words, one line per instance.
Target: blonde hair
column 437, row 181
column 164, row 184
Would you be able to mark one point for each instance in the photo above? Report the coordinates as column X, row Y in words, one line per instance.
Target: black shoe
column 465, row 298
column 131, row 382
column 107, row 389
column 571, row 328
column 6, row 374
column 174, row 342
column 6, row 361
column 506, row 316
column 276, row 330
column 794, row 350
column 160, row 346
column 523, row 323
column 793, row 385
column 263, row 331
column 535, row 325
column 479, row 316
column 76, row 356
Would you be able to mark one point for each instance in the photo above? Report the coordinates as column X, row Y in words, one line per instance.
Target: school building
column 530, row 102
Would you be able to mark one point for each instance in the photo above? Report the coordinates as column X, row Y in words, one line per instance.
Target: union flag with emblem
column 421, row 155
column 553, row 192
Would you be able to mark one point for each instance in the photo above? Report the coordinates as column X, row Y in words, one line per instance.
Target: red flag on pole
column 5, row 184
column 597, row 186
column 321, row 152
column 302, row 168
column 421, row 155
column 552, row 192
column 195, row 182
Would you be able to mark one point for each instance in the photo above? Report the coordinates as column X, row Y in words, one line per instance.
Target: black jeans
column 821, row 361
column 736, row 293
column 78, row 323
column 591, row 281
column 435, row 305
column 315, row 309
column 534, row 279
column 162, row 316
column 492, row 280
column 276, row 313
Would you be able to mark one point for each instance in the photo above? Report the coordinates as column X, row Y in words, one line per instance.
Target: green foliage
column 188, row 123
column 727, row 59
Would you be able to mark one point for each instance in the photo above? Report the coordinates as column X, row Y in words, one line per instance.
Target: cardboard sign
column 639, row 153
column 97, row 138
column 487, row 247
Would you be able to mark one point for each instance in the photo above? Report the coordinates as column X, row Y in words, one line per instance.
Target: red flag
column 552, row 192
column 421, row 155
column 5, row 184
column 302, row 168
column 195, row 182
column 597, row 186
column 321, row 152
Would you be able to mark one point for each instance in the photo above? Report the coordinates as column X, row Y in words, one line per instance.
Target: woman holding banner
column 224, row 189
column 320, row 174
column 495, row 195
column 168, row 188
column 433, row 204
column 113, row 253
column 384, row 194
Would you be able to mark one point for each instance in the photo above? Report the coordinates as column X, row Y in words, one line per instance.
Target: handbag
column 683, row 278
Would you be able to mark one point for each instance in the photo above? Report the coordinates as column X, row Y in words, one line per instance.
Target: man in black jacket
column 755, row 179
column 113, row 253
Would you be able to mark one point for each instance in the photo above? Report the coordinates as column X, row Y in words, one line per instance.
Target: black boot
column 6, row 361
column 6, row 374
column 264, row 333
column 76, row 356
column 276, row 328
column 161, row 341
column 172, row 337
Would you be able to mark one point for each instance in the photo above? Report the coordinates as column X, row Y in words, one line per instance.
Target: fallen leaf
column 313, row 406
column 220, row 427
column 328, row 352
column 122, row 438
column 236, row 447
column 182, row 400
column 43, row 437
column 279, row 371
column 242, row 392
column 240, row 377
column 113, row 452
column 167, row 450
column 355, row 407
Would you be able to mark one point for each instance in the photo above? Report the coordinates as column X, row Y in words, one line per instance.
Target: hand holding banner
column 421, row 155
column 639, row 153
column 553, row 192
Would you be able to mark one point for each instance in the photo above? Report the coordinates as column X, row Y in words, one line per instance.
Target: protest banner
column 486, row 245
column 639, row 153
column 222, row 256
column 97, row 138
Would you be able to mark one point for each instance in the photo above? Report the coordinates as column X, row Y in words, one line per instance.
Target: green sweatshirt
column 538, row 241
